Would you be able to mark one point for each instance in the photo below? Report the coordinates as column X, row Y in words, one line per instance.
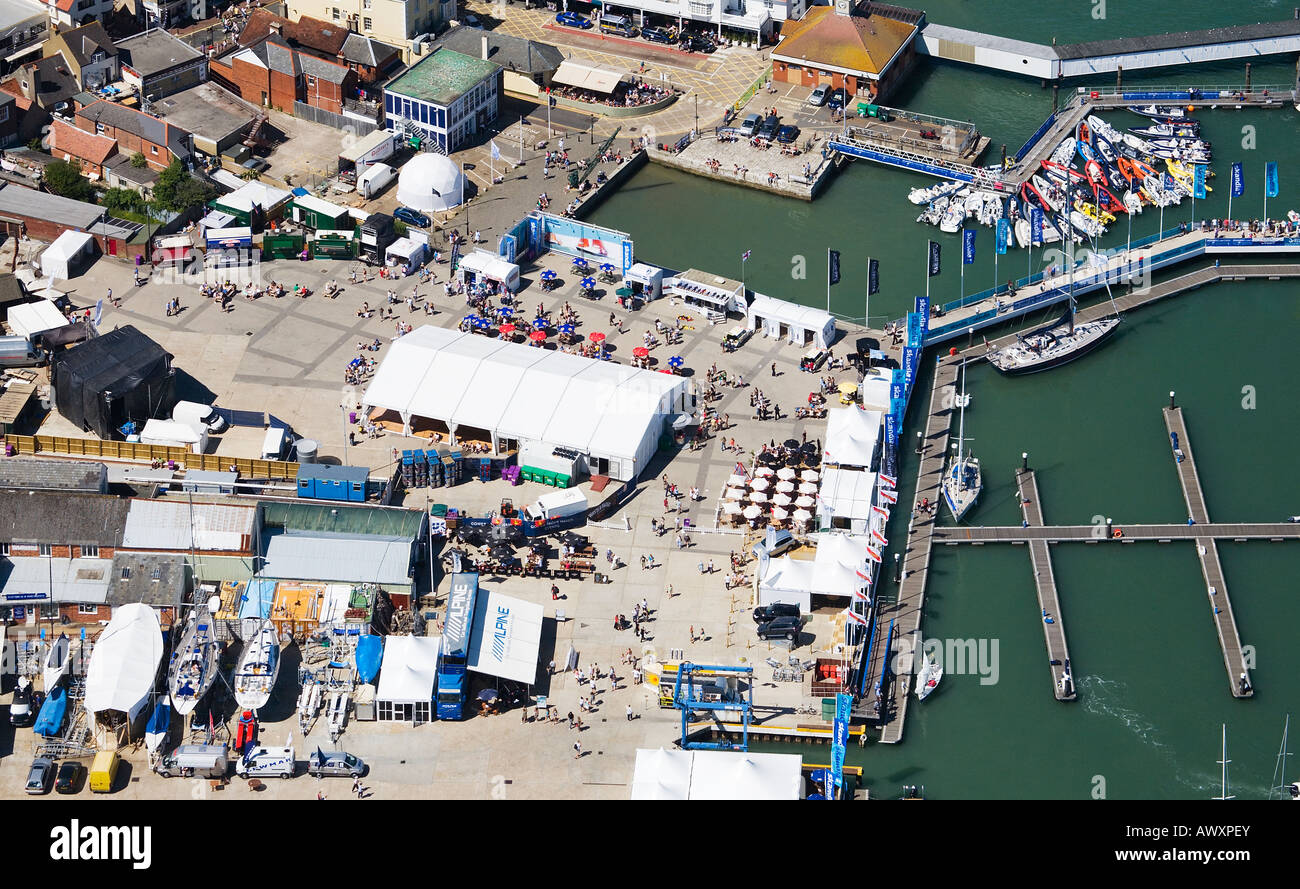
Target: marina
column 1049, row 602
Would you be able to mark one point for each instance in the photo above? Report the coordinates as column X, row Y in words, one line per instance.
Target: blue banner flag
column 967, row 246
column 1036, row 225
column 832, row 266
column 891, row 430
column 840, row 739
column 1004, row 235
column 932, row 267
column 1198, row 181
column 1270, row 179
column 1238, row 181
column 1167, row 182
column 873, row 277
column 915, row 334
column 923, row 310
column 910, row 354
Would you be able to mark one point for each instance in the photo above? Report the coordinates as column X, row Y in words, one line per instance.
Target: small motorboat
column 1093, row 212
column 1160, row 112
column 953, row 217
column 928, row 195
column 57, row 661
column 1132, row 201
column 1166, row 131
column 1024, row 234
column 927, row 680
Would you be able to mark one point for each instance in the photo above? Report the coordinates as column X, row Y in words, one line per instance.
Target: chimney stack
column 485, row 46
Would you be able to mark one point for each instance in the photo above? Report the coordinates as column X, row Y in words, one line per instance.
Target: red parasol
column 640, row 352
column 666, row 370
column 537, row 336
column 507, row 328
column 597, row 337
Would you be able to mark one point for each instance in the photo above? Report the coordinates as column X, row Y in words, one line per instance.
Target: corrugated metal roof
column 342, row 559
column 65, row 580
column 28, row 202
column 166, row 525
column 340, row 518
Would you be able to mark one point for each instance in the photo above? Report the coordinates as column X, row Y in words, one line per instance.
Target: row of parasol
column 785, row 493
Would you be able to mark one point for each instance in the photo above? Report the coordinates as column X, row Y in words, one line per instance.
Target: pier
column 951, row 153
column 1049, row 601
column 906, row 610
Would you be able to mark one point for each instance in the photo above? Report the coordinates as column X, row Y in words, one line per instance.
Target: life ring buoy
column 1117, row 533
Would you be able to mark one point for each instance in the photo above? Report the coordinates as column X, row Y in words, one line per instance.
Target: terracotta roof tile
column 855, row 43
column 90, row 147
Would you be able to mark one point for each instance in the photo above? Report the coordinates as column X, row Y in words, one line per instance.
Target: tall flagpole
column 828, row 280
column 866, row 305
column 962, row 263
column 1230, row 190
column 1265, row 192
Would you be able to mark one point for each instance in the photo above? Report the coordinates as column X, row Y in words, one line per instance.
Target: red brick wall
column 157, row 156
column 58, row 551
column 73, row 613
column 323, row 94
column 284, row 91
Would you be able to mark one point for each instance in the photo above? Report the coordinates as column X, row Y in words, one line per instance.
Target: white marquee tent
column 407, row 677
column 611, row 413
column 831, row 572
column 506, row 638
column 851, row 435
column 846, row 495
column 28, row 319
column 64, row 258
column 717, row 775
column 796, row 324
column 125, row 661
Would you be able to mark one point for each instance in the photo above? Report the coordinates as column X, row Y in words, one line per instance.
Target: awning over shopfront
column 506, row 638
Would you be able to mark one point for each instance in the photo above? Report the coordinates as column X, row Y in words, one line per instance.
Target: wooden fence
column 34, row 445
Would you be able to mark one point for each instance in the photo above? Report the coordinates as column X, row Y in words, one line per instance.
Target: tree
column 177, row 190
column 122, row 200
column 138, row 161
column 64, row 179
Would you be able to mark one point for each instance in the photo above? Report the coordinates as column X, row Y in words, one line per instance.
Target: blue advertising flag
column 923, row 310
column 1036, row 225
column 99, row 311
column 1198, row 181
column 909, row 365
column 1167, row 182
column 1004, row 235
column 840, row 738
column 915, row 335
column 833, row 266
column 967, row 246
column 873, row 277
column 932, row 268
column 1270, row 179
column 891, row 430
column 1238, row 181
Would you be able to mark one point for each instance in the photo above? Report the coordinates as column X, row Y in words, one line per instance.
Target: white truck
column 566, row 504
column 269, row 762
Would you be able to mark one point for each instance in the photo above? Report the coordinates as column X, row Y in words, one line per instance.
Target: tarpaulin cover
column 370, row 651
column 123, row 375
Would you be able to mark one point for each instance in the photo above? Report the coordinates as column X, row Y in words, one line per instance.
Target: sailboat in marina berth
column 963, row 480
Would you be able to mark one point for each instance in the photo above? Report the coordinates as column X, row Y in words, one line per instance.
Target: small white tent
column 407, row 678
column 796, row 324
column 68, row 255
column 29, row 319
column 851, row 435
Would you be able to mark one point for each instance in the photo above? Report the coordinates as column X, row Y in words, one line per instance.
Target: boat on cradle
column 57, row 661
column 962, row 482
column 160, row 720
column 194, row 664
column 927, row 680
column 259, row 665
column 338, row 714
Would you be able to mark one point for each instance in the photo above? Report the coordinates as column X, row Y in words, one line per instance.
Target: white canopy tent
column 611, row 413
column 482, row 264
column 65, row 257
column 662, row 774
column 796, row 324
column 28, row 319
column 407, row 677
column 506, row 637
column 786, row 580
column 845, row 499
column 839, row 559
column 851, row 435
column 717, row 775
column 125, row 661
column 873, row 391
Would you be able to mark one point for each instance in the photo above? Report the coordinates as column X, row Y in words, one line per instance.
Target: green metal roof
column 443, row 77
column 339, row 518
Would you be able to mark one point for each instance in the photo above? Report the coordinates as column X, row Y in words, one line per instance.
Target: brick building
column 371, row 59
column 92, row 151
column 273, row 74
column 865, row 48
column 135, row 131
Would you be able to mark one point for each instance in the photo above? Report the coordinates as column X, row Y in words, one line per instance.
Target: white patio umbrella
column 731, row 507
column 734, row 494
column 785, row 487
column 759, row 484
column 807, row 488
column 802, row 515
column 804, row 501
column 763, row 471
column 779, row 513
column 809, row 475
column 782, row 500
column 737, row 481
column 758, row 497
column 752, row 512
column 785, row 473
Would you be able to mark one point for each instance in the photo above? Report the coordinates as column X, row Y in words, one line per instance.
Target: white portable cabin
column 482, row 264
column 408, row 253
column 798, row 325
column 645, row 281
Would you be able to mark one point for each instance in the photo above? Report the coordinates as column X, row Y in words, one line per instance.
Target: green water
column 1153, row 689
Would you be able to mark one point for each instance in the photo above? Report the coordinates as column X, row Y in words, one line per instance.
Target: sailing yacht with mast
column 1279, row 787
column 963, row 481
column 194, row 663
column 1223, row 794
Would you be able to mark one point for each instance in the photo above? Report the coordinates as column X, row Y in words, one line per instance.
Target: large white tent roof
column 125, row 660
column 507, row 636
column 717, row 775
column 409, row 669
column 851, row 435
column 846, row 493
column 28, row 319
column 662, row 774
column 838, row 559
column 429, row 182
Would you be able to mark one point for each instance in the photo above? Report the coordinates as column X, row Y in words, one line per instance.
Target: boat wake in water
column 1106, row 697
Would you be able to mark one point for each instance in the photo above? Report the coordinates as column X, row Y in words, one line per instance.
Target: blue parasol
column 588, row 283
column 566, row 328
column 549, row 275
column 482, row 323
column 539, row 323
column 676, row 361
column 580, row 262
column 505, row 312
column 606, row 267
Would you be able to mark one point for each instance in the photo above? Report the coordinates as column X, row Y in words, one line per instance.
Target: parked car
column 573, row 20
column 411, row 217
column 817, row 97
column 765, row 613
column 72, row 775
column 837, row 99
column 749, row 126
column 695, row 43
column 787, row 134
column 657, row 35
column 335, row 764
column 40, row 776
column 781, row 628
column 782, row 541
column 25, row 705
column 769, row 127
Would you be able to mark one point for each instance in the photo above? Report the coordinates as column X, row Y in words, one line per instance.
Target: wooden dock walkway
column 1276, row 531
column 1207, row 549
column 1049, row 601
column 906, row 611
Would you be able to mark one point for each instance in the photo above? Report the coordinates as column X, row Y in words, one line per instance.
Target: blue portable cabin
column 321, row 481
column 453, row 662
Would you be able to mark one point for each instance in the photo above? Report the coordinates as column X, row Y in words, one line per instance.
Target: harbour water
column 1149, row 672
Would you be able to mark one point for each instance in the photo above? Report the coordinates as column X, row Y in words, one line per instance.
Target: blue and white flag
column 891, row 430
column 1198, row 181
column 967, row 246
column 1036, row 225
column 496, row 152
column 1004, row 235
column 1238, row 181
column 745, row 257
column 1167, row 182
column 933, row 265
column 873, row 277
column 923, row 312
column 99, row 311
column 840, row 737
column 1270, row 179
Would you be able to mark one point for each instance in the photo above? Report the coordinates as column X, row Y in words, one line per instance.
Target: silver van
column 194, row 761
column 18, row 351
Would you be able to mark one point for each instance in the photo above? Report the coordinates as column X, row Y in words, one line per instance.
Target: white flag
column 496, row 152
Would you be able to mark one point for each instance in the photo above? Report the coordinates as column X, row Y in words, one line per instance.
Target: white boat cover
column 851, row 435
column 409, row 670
column 506, row 638
column 124, row 661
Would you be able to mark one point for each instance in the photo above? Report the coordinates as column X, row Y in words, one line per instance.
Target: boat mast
column 961, row 431
column 1223, row 793
column 1279, row 770
column 1069, row 203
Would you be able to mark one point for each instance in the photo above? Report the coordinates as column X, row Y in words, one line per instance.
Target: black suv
column 781, row 628
column 765, row 613
column 657, row 35
column 769, row 127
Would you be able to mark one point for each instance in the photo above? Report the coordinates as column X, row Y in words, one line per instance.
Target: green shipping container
column 828, row 709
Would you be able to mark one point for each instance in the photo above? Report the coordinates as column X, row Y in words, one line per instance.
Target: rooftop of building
column 153, row 51
column 443, row 77
column 510, row 52
column 864, row 41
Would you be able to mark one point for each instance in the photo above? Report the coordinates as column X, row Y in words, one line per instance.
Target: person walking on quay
column 577, row 749
column 650, row 561
column 710, row 566
column 643, row 563
column 773, row 368
column 570, row 719
column 629, row 712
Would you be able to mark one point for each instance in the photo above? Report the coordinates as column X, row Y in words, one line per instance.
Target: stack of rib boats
column 1090, row 179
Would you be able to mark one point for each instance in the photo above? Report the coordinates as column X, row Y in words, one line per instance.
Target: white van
column 559, row 505
column 267, row 762
column 275, row 443
column 194, row 760
column 199, row 416
column 375, row 180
